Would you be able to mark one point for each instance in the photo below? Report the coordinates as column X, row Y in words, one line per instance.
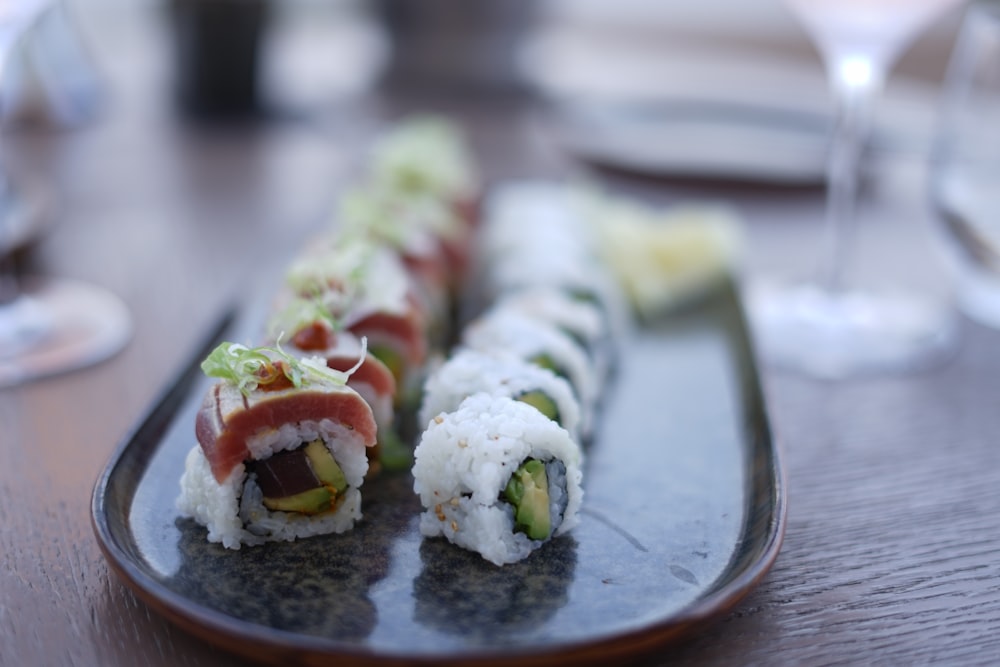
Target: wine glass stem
column 9, row 282
column 843, row 172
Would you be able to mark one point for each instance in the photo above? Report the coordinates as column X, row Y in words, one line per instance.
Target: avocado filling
column 547, row 362
column 543, row 403
column 394, row 454
column 305, row 480
column 528, row 492
column 392, row 359
column 585, row 295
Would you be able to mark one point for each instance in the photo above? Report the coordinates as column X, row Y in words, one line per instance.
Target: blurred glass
column 61, row 62
column 47, row 325
column 965, row 172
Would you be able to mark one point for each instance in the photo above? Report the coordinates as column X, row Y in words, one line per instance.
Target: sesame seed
column 454, row 526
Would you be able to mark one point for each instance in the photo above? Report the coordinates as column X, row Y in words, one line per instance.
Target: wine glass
column 823, row 328
column 47, row 325
column 61, row 63
column 965, row 164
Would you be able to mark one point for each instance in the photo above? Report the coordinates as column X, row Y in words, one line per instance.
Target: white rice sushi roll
column 583, row 321
column 525, row 223
column 542, row 344
column 281, row 450
column 469, row 372
column 522, row 214
column 497, row 477
column 583, row 281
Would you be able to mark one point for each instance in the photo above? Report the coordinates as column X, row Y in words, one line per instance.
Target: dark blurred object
column 218, row 54
column 467, row 45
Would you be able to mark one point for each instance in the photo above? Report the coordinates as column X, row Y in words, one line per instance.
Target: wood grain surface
column 892, row 550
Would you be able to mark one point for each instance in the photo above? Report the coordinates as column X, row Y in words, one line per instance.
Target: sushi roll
column 369, row 293
column 524, row 222
column 418, row 225
column 428, row 154
column 497, row 477
column 583, row 280
column 281, row 450
column 312, row 331
column 432, row 241
column 583, row 321
column 375, row 383
column 470, row 372
column 542, row 344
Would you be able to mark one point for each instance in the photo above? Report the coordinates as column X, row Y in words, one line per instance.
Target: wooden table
column 892, row 552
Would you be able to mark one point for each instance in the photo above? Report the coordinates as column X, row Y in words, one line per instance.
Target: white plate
column 702, row 141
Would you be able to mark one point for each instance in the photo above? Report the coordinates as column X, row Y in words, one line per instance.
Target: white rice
column 584, row 321
column 534, row 235
column 550, row 304
column 497, row 373
column 527, row 213
column 234, row 512
column 464, row 461
column 526, row 337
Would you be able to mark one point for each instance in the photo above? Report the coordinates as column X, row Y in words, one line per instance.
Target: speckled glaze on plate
column 683, row 514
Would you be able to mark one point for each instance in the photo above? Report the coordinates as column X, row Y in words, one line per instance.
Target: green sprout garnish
column 334, row 273
column 402, row 220
column 424, row 154
column 301, row 312
column 371, row 214
column 250, row 367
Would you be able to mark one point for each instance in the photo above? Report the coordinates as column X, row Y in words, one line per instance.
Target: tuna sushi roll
column 428, row 154
column 470, row 372
column 375, row 383
column 313, row 332
column 417, row 225
column 368, row 291
column 497, row 477
column 281, row 449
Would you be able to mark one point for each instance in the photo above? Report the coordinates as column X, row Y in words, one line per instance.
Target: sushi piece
column 369, row 293
column 433, row 243
column 281, row 450
column 497, row 477
column 375, row 383
column 312, row 330
column 422, row 228
column 428, row 154
column 542, row 344
column 523, row 223
column 470, row 372
column 583, row 321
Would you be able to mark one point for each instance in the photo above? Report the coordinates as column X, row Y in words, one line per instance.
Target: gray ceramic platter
column 683, row 514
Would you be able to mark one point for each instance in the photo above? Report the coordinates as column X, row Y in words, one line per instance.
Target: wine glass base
column 977, row 291
column 836, row 335
column 24, row 207
column 56, row 326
